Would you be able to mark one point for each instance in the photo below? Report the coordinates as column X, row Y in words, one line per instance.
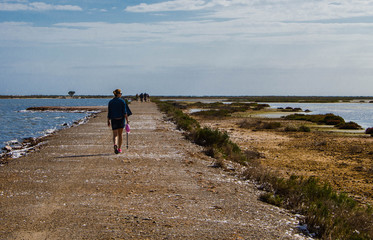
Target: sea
column 361, row 113
column 17, row 123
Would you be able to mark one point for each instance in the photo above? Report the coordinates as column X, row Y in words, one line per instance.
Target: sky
column 187, row 47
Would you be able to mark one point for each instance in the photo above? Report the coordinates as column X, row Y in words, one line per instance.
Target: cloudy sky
column 187, row 47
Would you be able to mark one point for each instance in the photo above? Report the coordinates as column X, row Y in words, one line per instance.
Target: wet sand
column 162, row 187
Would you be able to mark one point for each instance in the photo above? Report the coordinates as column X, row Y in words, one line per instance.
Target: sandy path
column 162, row 187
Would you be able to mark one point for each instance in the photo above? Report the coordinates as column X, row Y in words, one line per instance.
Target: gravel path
column 162, row 187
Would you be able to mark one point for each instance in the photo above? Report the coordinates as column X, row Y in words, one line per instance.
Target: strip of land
column 59, row 108
column 161, row 187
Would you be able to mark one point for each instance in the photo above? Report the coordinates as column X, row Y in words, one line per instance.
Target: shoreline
column 17, row 149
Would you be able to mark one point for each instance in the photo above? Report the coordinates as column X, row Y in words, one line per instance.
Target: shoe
column 119, row 150
column 116, row 149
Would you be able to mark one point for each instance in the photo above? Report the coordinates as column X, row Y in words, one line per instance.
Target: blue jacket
column 117, row 108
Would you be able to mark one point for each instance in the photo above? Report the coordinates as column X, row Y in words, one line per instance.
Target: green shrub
column 208, row 137
column 258, row 125
column 369, row 130
column 328, row 214
column 290, row 129
column 328, row 119
column 331, row 119
column 304, row 129
column 271, row 199
column 213, row 113
column 349, row 125
column 271, row 125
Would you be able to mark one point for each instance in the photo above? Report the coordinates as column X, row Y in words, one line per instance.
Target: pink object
column 128, row 128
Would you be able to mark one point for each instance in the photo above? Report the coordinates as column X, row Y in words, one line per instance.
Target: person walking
column 117, row 118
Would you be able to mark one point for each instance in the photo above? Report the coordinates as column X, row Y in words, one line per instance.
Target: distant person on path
column 117, row 117
column 141, row 97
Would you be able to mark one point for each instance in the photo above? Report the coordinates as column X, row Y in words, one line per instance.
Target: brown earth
column 344, row 160
column 162, row 187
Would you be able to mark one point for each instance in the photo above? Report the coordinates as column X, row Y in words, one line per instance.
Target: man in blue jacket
column 117, row 117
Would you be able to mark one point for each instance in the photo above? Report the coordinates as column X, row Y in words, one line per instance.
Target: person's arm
column 126, row 117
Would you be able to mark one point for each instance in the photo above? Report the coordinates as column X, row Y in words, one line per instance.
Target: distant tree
column 71, row 93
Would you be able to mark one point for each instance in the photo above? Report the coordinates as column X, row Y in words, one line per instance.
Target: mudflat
column 161, row 187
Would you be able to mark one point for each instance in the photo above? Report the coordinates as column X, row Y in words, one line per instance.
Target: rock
column 8, row 148
column 30, row 141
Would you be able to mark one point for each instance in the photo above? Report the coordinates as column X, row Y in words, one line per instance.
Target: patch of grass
column 369, row 131
column 219, row 109
column 328, row 119
column 300, row 129
column 304, row 128
column 213, row 113
column 259, row 125
column 183, row 121
column 330, row 215
column 349, row 125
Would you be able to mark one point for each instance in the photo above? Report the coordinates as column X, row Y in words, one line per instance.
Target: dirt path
column 162, row 187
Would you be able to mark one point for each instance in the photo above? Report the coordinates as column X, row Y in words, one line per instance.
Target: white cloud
column 35, row 6
column 176, row 5
column 269, row 10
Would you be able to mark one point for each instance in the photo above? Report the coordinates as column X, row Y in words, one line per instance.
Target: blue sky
column 187, row 47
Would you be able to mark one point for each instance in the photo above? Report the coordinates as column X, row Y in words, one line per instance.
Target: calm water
column 16, row 123
column 361, row 113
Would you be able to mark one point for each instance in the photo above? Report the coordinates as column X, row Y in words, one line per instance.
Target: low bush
column 182, row 120
column 271, row 125
column 248, row 124
column 349, row 125
column 304, row 129
column 369, row 131
column 258, row 125
column 328, row 119
column 290, row 129
column 213, row 113
column 328, row 214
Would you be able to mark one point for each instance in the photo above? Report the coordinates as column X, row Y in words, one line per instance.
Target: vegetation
column 369, row 131
column 328, row 119
column 219, row 109
column 71, row 93
column 349, row 125
column 183, row 121
column 264, row 125
column 329, row 215
column 306, row 99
